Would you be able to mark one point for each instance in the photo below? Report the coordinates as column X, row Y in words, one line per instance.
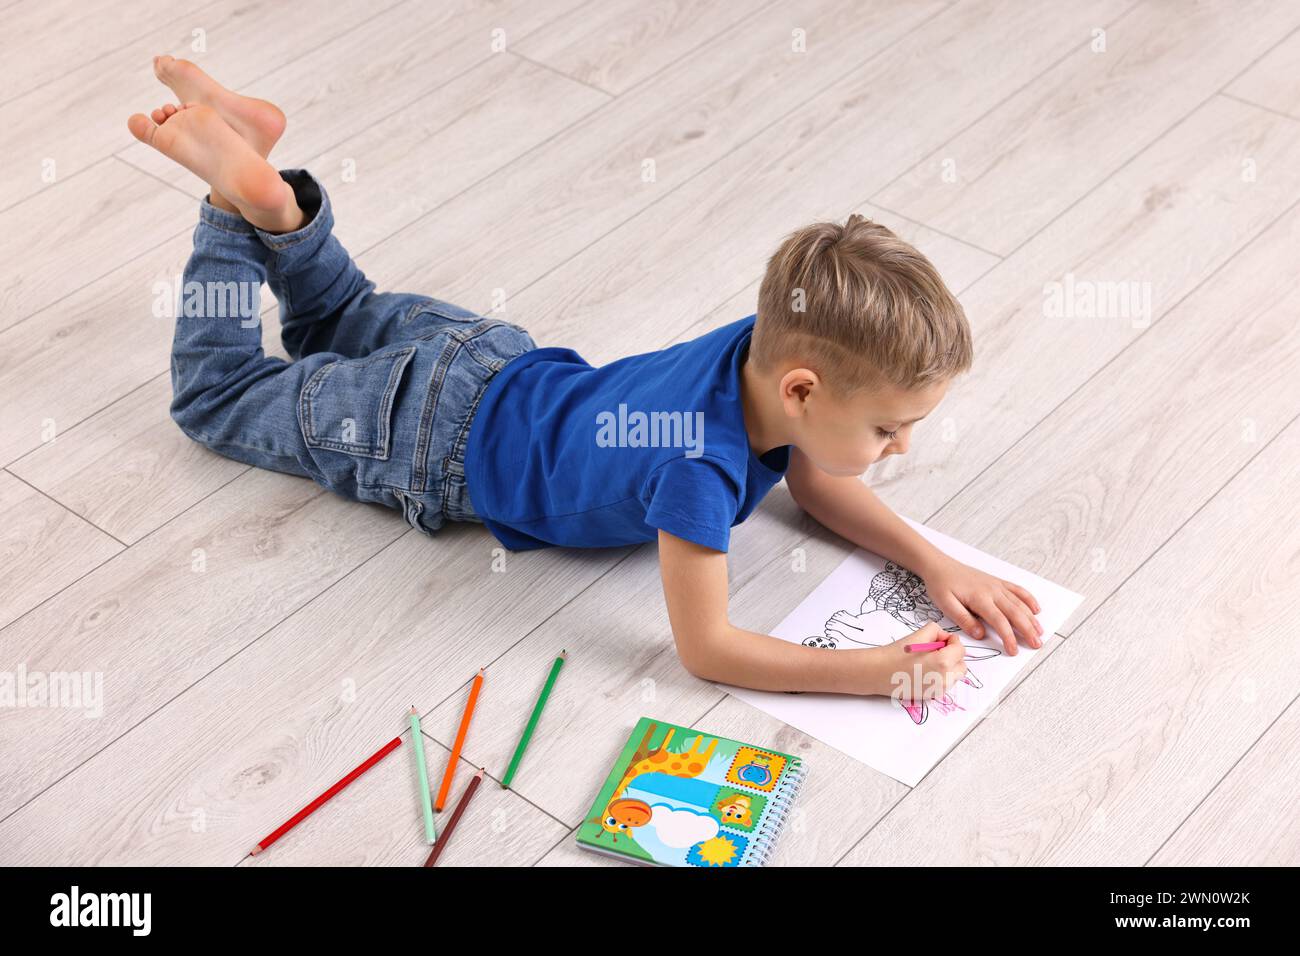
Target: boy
column 422, row 405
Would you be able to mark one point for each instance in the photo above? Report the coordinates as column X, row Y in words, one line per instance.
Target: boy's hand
column 968, row 595
column 922, row 676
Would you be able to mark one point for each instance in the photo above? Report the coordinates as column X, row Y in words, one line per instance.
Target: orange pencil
column 450, row 771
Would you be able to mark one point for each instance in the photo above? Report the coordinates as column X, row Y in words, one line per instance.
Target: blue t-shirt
column 561, row 453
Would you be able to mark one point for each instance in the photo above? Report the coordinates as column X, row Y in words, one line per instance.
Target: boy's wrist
column 876, row 673
column 930, row 561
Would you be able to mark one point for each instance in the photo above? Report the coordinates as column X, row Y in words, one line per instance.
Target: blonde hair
column 857, row 304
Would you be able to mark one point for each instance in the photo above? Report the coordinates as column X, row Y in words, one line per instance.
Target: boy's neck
column 764, row 415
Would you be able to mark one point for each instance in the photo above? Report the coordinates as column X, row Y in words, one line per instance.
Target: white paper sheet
column 866, row 601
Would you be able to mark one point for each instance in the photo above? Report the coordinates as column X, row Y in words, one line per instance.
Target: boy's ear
column 797, row 386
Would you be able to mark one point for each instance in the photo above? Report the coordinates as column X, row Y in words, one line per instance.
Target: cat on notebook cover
column 897, row 604
column 626, row 813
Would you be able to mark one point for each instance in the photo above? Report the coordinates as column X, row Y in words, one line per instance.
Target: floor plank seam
column 879, row 820
column 280, row 65
column 571, row 834
column 64, row 507
column 372, row 121
column 988, row 112
column 947, row 235
column 550, row 69
column 1083, row 196
column 307, row 164
column 1137, row 338
column 1019, row 683
column 85, row 418
column 1199, row 508
column 489, row 776
column 352, row 134
column 91, row 281
column 197, row 11
column 48, row 188
column 117, row 268
column 507, row 165
column 708, row 166
column 1218, row 783
column 140, row 170
column 1076, row 630
column 908, row 791
column 1259, row 106
column 178, row 514
column 1099, row 184
column 753, row 283
column 1251, row 65
column 215, row 668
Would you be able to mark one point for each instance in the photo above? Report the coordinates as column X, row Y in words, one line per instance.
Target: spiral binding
column 763, row 843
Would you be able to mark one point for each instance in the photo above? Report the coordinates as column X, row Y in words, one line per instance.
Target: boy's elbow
column 699, row 652
column 695, row 665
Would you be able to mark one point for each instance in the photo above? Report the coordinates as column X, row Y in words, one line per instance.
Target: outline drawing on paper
column 896, row 605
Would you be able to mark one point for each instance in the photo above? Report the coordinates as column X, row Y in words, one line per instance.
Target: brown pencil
column 455, row 816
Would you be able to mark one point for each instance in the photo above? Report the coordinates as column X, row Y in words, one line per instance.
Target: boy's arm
column 852, row 510
column 848, row 507
column 710, row 647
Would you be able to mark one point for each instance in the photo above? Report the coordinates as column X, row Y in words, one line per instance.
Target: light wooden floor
column 256, row 637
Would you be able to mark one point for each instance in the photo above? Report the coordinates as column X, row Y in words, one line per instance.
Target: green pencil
column 417, row 739
column 532, row 721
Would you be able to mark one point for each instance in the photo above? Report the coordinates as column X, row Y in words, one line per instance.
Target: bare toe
column 141, row 128
column 186, row 80
column 260, row 123
column 162, row 65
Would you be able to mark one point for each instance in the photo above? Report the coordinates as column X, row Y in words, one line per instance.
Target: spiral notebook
column 679, row 797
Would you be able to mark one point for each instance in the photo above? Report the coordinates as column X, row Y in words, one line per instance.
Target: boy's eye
column 887, row 435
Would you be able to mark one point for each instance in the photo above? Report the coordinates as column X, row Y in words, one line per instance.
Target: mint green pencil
column 532, row 721
column 417, row 739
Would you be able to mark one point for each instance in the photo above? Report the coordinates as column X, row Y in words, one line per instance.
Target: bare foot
column 259, row 122
column 205, row 144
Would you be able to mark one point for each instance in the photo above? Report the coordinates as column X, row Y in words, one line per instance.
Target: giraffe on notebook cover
column 624, row 814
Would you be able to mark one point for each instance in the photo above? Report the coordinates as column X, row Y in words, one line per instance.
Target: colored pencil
column 455, row 817
column 925, row 646
column 532, row 721
column 311, row 808
column 450, row 770
column 417, row 739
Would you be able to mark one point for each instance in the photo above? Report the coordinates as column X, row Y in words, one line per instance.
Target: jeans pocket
column 347, row 405
column 429, row 310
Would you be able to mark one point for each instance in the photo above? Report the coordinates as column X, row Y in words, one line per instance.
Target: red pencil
column 455, row 815
column 311, row 808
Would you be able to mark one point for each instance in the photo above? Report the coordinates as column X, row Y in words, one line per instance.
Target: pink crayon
column 928, row 646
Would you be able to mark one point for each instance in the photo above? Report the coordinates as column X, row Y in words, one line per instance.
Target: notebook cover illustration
column 679, row 797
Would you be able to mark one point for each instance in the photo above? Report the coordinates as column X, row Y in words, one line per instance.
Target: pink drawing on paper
column 896, row 605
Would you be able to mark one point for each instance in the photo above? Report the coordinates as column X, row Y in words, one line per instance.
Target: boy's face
column 845, row 435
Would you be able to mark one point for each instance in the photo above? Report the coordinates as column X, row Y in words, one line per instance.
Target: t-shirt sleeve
column 694, row 499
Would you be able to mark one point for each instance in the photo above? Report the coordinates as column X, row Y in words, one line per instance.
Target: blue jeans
column 379, row 398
